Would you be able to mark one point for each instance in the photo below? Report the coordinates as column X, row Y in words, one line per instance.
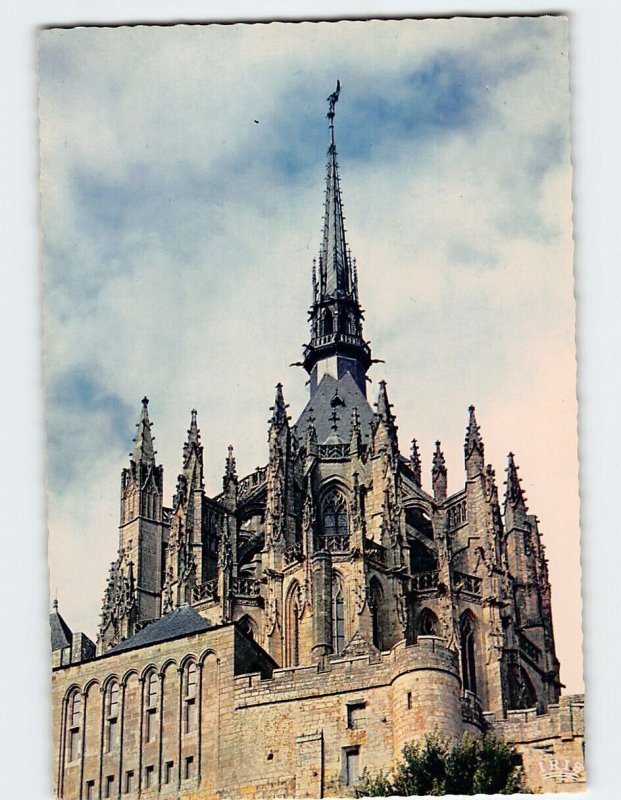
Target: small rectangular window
column 148, row 776
column 409, row 701
column 74, row 744
column 111, row 733
column 149, row 725
column 351, row 765
column 168, row 771
column 189, row 768
column 189, row 715
column 109, row 789
column 129, row 781
column 356, row 716
column 90, row 790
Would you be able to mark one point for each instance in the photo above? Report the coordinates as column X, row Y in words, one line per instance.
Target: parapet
column 342, row 674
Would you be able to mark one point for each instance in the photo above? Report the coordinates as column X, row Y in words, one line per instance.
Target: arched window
column 189, row 697
column 338, row 618
column 112, row 716
column 427, row 623
column 74, row 722
column 151, row 691
column 376, row 603
column 247, row 625
column 293, row 627
column 328, row 323
column 468, row 663
column 335, row 523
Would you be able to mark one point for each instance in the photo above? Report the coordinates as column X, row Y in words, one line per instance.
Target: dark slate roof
column 60, row 632
column 183, row 621
column 321, row 404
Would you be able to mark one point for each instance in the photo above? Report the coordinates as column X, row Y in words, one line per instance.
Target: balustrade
column 334, row 543
column 423, row 581
column 529, row 649
column 468, row 583
column 293, row 553
column 251, row 482
column 206, row 591
column 246, row 587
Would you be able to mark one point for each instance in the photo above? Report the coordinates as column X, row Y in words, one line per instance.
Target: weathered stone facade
column 371, row 610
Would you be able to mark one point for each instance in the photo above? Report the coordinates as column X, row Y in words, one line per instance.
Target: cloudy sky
column 179, row 235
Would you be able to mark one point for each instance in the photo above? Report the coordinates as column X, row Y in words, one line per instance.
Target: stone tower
column 133, row 592
column 334, row 547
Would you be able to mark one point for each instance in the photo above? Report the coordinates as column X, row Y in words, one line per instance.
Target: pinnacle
column 439, row 464
column 279, row 416
column 514, row 494
column 143, row 441
column 416, row 462
column 230, row 470
column 473, row 441
column 194, row 434
column 383, row 405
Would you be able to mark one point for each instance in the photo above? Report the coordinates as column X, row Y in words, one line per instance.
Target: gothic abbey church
column 319, row 613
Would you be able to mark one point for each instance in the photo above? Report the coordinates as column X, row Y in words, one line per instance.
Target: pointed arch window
column 248, row 626
column 151, row 699
column 74, row 722
column 189, row 697
column 427, row 623
column 335, row 523
column 112, row 716
column 338, row 618
column 468, row 652
column 328, row 323
column 376, row 598
column 293, row 627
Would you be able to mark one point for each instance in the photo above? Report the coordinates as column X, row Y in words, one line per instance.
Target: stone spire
column 335, row 315
column 514, row 496
column 143, row 451
column 439, row 475
column 415, row 463
column 474, row 456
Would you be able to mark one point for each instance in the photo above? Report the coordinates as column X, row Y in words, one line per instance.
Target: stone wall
column 143, row 725
column 552, row 744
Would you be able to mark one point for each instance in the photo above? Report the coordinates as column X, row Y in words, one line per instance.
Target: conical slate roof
column 60, row 632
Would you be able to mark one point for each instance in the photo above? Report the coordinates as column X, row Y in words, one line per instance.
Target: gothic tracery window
column 468, row 649
column 335, row 518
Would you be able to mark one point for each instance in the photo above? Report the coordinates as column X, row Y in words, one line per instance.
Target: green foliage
column 434, row 767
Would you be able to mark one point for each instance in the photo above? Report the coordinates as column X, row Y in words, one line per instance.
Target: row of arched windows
column 346, row 323
column 111, row 710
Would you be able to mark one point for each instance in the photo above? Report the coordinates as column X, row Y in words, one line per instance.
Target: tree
column 434, row 767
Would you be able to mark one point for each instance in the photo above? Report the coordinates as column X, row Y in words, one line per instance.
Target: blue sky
column 179, row 234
